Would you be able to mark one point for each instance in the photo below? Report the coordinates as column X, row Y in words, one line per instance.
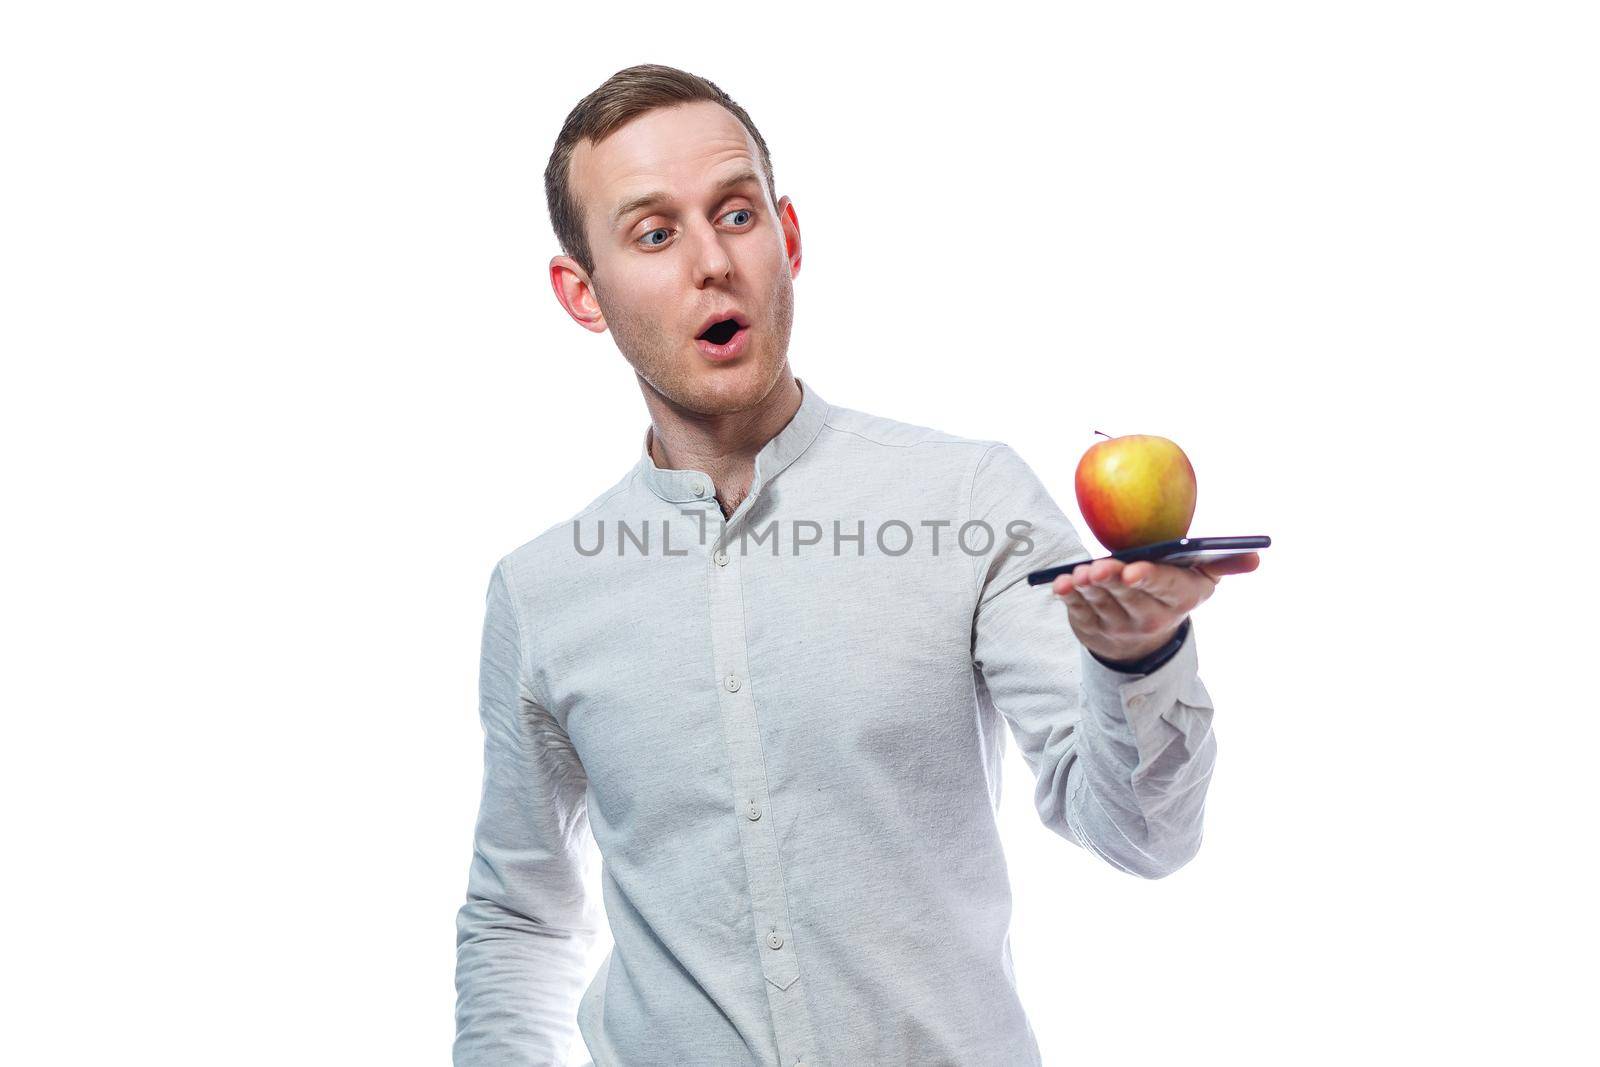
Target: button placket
column 749, row 800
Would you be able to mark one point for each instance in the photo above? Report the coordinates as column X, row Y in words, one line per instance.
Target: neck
column 723, row 445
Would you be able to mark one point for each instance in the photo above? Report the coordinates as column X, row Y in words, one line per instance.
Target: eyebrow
column 633, row 204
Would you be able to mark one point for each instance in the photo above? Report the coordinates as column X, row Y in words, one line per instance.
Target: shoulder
column 861, row 431
column 552, row 546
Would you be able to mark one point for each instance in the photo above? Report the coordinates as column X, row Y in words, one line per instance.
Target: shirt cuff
column 1152, row 660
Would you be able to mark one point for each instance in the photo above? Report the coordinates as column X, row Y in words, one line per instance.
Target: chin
column 731, row 390
column 732, row 387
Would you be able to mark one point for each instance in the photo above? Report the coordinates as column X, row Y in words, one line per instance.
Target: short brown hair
column 624, row 96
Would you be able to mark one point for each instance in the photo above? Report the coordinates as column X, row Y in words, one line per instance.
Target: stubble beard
column 670, row 366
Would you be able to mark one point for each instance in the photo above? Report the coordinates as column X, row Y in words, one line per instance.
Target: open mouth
column 720, row 333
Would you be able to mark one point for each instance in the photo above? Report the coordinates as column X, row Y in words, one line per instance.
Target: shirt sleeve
column 523, row 935
column 1121, row 760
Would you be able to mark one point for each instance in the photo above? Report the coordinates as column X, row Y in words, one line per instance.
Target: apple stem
column 1107, row 436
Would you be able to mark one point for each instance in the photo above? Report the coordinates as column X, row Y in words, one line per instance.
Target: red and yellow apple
column 1135, row 490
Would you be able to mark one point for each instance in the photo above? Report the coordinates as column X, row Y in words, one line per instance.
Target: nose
column 711, row 262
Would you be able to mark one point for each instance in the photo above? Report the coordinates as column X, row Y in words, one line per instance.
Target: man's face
column 702, row 248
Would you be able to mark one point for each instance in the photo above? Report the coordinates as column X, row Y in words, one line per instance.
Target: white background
column 284, row 377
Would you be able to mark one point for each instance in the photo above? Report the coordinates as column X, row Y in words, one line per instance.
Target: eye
column 648, row 243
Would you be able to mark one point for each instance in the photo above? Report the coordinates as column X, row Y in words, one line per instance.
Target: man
column 771, row 670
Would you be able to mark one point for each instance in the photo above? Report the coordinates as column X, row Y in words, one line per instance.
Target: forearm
column 518, row 984
column 1145, row 753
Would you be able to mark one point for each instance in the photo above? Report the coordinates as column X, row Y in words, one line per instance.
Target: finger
column 1116, row 579
column 1080, row 611
column 1070, row 586
column 1243, row 564
column 1146, row 613
column 1171, row 586
column 1096, row 571
column 1094, row 587
column 1068, row 580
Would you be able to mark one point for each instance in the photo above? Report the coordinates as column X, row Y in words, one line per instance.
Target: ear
column 575, row 291
column 791, row 233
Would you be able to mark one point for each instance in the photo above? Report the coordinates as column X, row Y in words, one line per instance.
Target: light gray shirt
column 784, row 730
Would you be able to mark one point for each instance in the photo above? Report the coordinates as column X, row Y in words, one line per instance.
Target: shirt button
column 775, row 940
column 1136, row 701
column 698, row 489
column 733, row 683
column 755, row 811
column 721, row 557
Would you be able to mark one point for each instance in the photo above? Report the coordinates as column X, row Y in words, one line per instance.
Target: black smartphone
column 1184, row 552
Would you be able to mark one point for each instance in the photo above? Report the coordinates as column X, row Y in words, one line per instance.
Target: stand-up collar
column 785, row 447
